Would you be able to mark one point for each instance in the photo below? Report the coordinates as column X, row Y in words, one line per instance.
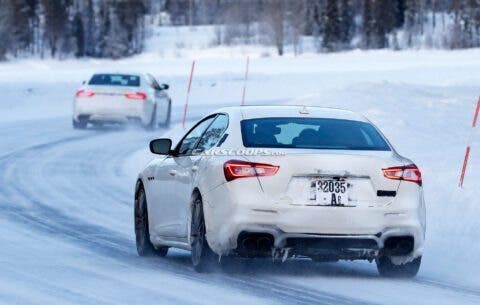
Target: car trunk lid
column 302, row 174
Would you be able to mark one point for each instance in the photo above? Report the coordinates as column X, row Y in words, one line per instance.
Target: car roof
column 120, row 73
column 251, row 112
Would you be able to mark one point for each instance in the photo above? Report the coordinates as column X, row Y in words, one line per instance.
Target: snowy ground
column 66, row 196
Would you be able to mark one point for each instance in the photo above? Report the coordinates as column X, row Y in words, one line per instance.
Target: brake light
column 408, row 173
column 84, row 93
column 136, row 96
column 234, row 169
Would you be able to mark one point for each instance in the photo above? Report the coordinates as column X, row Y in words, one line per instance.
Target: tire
column 166, row 124
column 98, row 125
column 388, row 269
column 153, row 122
column 203, row 258
column 80, row 124
column 142, row 232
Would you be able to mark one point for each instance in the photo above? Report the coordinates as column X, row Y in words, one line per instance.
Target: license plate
column 331, row 192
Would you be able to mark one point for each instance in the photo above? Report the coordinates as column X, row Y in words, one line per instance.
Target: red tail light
column 84, row 93
column 136, row 96
column 234, row 169
column 407, row 173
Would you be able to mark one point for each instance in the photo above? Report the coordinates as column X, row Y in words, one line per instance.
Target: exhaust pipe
column 249, row 244
column 255, row 244
column 264, row 244
column 399, row 245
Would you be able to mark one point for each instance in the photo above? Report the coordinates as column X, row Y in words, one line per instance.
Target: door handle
column 194, row 168
column 172, row 172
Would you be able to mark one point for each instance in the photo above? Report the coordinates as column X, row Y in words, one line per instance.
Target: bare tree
column 115, row 28
column 275, row 19
column 296, row 22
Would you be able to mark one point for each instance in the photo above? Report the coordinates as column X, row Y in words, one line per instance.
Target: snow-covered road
column 67, row 237
column 66, row 217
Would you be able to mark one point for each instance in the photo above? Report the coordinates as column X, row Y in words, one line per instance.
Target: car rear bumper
column 260, row 240
column 306, row 230
column 109, row 118
column 94, row 111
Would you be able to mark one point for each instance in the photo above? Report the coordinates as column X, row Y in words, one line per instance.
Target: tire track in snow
column 42, row 213
column 47, row 219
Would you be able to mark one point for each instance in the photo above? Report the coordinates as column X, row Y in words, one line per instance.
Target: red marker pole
column 188, row 94
column 475, row 117
column 467, row 151
column 464, row 167
column 245, row 81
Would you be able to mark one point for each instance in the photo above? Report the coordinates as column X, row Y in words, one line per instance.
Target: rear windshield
column 311, row 133
column 115, row 80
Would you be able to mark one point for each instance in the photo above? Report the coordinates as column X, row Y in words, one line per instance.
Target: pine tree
column 89, row 28
column 400, row 7
column 132, row 13
column 347, row 23
column 179, row 11
column 476, row 21
column 384, row 15
column 411, row 11
column 367, row 25
column 78, row 32
column 116, row 38
column 332, row 24
column 56, row 18
column 6, row 23
column 21, row 34
column 314, row 25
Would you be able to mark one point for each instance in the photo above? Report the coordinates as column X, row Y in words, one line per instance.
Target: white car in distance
column 122, row 98
column 282, row 181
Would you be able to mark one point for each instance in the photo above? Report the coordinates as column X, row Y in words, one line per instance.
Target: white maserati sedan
column 282, row 182
column 122, row 98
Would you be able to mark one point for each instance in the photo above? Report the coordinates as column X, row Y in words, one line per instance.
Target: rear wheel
column 142, row 233
column 166, row 124
column 80, row 124
column 387, row 268
column 202, row 256
column 153, row 122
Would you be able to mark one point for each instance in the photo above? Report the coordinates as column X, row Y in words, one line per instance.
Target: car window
column 191, row 139
column 155, row 84
column 149, row 80
column 213, row 134
column 115, row 80
column 311, row 133
column 152, row 82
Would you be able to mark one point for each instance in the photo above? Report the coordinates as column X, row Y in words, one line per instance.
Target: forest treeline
column 118, row 28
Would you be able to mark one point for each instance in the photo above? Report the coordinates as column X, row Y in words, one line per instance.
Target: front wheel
column 387, row 268
column 142, row 231
column 202, row 256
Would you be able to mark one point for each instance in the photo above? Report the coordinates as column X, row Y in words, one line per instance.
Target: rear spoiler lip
column 332, row 175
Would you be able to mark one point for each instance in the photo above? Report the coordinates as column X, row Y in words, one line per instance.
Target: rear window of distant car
column 115, row 80
column 311, row 133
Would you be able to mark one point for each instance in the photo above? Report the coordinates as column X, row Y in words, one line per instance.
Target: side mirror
column 161, row 146
column 164, row 87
